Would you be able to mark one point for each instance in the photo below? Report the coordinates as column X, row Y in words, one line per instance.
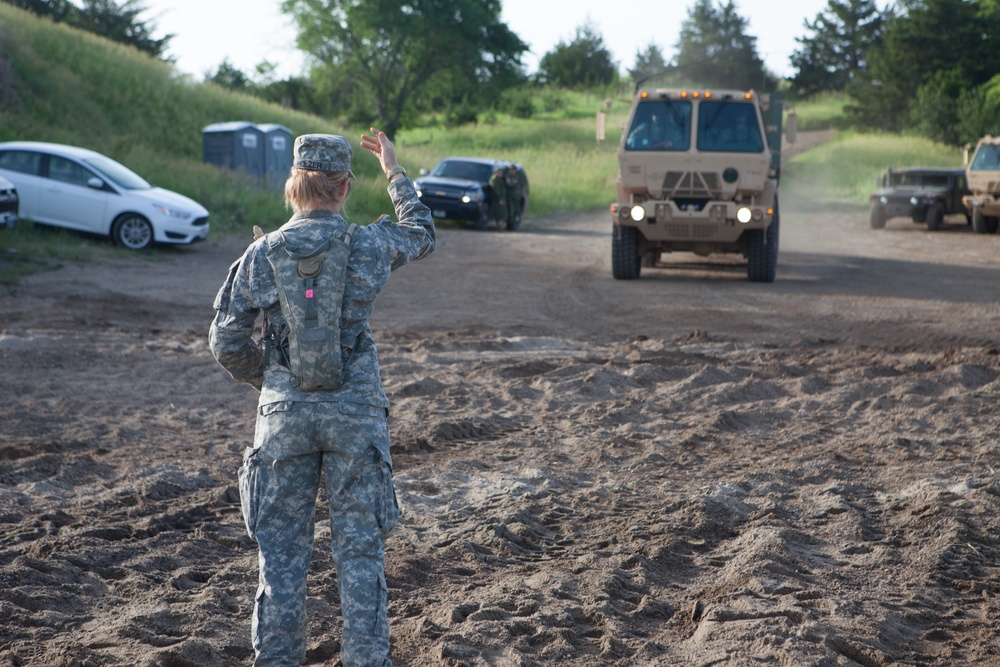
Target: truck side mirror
column 792, row 127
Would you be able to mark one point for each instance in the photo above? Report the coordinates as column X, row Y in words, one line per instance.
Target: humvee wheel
column 762, row 252
column 877, row 217
column 935, row 217
column 983, row 224
column 625, row 263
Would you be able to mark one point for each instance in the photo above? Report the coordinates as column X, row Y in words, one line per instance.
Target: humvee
column 983, row 175
column 923, row 194
column 698, row 172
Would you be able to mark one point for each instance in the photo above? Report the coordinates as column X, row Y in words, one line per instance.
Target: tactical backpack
column 311, row 292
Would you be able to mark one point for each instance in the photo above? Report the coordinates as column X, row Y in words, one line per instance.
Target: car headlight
column 172, row 212
column 420, row 192
column 472, row 196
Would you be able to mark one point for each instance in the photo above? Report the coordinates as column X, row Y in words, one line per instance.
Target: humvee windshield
column 660, row 125
column 729, row 127
column 987, row 158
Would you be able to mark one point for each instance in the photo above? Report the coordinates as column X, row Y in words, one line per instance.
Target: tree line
column 930, row 67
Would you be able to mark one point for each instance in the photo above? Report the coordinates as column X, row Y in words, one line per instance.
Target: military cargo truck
column 983, row 175
column 698, row 172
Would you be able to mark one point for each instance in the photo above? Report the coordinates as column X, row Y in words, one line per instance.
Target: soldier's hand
column 381, row 147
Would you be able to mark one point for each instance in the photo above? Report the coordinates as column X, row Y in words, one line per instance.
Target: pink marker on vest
column 309, row 294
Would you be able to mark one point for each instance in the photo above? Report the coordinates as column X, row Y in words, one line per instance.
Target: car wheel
column 762, row 252
column 983, row 224
column 483, row 221
column 935, row 218
column 625, row 253
column 877, row 217
column 132, row 231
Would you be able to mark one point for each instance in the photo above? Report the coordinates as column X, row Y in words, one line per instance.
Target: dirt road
column 687, row 469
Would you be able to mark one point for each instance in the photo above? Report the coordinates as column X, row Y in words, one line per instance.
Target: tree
column 833, row 56
column 582, row 63
column 382, row 53
column 714, row 49
column 229, row 76
column 119, row 23
column 649, row 63
column 57, row 10
column 923, row 39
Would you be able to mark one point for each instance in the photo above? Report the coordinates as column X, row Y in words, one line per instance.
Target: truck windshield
column 660, row 125
column 987, row 158
column 729, row 127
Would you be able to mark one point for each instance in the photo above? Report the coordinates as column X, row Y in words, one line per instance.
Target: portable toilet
column 277, row 153
column 237, row 145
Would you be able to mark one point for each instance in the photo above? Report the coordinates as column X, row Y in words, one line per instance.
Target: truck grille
column 681, row 230
column 699, row 184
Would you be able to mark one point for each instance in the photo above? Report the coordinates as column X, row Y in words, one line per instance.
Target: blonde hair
column 308, row 190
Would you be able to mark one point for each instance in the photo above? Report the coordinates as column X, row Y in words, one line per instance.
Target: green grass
column 843, row 171
column 820, row 112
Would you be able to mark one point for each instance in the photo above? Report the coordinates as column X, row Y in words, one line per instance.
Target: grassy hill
column 63, row 85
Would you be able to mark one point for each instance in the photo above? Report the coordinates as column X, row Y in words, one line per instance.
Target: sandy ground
column 687, row 469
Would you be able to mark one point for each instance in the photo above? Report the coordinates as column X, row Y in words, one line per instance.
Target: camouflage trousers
column 297, row 445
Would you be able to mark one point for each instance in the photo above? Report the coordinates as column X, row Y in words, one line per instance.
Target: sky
column 248, row 32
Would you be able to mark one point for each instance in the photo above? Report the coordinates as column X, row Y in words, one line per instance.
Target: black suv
column 924, row 194
column 459, row 188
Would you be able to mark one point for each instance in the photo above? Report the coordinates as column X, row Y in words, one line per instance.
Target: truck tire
column 877, row 216
column 983, row 224
column 625, row 263
column 762, row 252
column 935, row 217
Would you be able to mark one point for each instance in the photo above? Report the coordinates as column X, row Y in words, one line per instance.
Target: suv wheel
column 935, row 217
column 762, row 252
column 877, row 216
column 483, row 221
column 625, row 253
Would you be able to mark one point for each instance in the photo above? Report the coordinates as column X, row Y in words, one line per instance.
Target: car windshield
column 729, row 127
column 660, row 125
column 117, row 173
column 987, row 158
column 470, row 171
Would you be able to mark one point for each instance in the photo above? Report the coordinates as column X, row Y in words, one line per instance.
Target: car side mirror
column 95, row 182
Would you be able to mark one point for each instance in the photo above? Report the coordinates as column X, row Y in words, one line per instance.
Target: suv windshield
column 660, row 125
column 470, row 171
column 118, row 173
column 726, row 126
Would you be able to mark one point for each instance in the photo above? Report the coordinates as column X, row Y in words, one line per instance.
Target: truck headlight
column 743, row 215
column 638, row 213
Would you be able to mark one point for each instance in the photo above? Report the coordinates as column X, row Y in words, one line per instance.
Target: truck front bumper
column 715, row 222
column 988, row 204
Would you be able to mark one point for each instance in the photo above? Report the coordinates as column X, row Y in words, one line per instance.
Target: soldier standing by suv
column 514, row 190
column 498, row 195
column 302, row 436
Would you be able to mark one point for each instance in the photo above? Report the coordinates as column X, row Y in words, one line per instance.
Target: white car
column 79, row 189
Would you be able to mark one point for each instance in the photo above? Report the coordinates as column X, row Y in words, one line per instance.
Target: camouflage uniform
column 498, row 197
column 301, row 436
column 513, row 197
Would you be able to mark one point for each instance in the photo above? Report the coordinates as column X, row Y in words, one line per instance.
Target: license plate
column 439, row 214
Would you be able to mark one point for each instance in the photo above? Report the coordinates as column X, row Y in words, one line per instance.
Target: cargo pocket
column 249, row 477
column 387, row 513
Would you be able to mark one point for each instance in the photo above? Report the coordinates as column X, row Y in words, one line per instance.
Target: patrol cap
column 322, row 152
